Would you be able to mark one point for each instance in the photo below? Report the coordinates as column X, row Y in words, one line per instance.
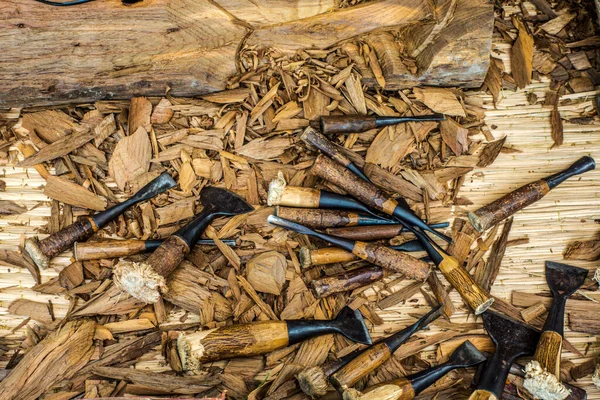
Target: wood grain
column 114, row 50
column 548, row 352
column 236, row 341
column 369, row 360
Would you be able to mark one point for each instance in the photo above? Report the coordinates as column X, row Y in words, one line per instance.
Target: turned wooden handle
column 475, row 296
column 239, row 340
column 63, row 239
column 295, row 196
column 548, row 352
column 347, row 124
column 372, row 358
column 346, row 281
column 168, row 255
column 411, row 267
column 398, row 389
column 326, row 255
column 481, row 394
column 107, row 249
column 318, row 218
column 489, row 215
column 324, row 167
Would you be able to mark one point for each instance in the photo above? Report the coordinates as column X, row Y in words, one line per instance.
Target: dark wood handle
column 63, row 239
column 347, row 124
column 489, row 215
column 347, row 376
column 411, row 267
column 364, row 191
column 107, row 249
column 314, row 138
column 548, row 351
column 318, row 218
column 240, row 340
column 168, row 256
column 473, row 294
column 367, row 233
column 482, row 395
column 346, row 281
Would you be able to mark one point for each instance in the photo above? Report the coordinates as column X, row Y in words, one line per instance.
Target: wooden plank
column 115, row 51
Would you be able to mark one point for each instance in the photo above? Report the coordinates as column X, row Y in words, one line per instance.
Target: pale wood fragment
column 131, row 158
column 266, row 272
column 65, row 191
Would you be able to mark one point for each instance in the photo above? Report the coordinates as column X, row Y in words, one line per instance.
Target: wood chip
column 440, row 100
column 71, row 193
column 131, row 158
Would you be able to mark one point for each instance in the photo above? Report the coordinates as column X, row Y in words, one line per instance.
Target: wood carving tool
column 504, row 207
column 375, row 232
column 242, row 340
column 115, row 248
column 369, row 194
column 512, row 339
column 331, row 255
column 315, row 139
column 280, row 194
column 474, row 295
column 145, row 280
column 347, row 124
column 373, row 357
column 382, row 256
column 466, row 355
column 542, row 374
column 41, row 251
column 318, row 218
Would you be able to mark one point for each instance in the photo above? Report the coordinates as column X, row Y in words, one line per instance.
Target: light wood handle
column 473, row 294
column 295, row 196
column 411, row 267
column 489, row 215
column 548, row 352
column 482, row 395
column 347, row 376
column 239, row 340
column 107, row 249
column 326, row 255
column 398, row 389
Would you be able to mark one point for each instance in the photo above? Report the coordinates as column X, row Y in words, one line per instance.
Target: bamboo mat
column 564, row 215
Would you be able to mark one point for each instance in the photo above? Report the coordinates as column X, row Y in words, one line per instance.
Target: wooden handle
column 548, row 352
column 327, row 255
column 398, row 389
column 107, row 249
column 318, row 218
column 314, row 138
column 477, row 298
column 347, row 124
column 482, row 395
column 347, row 376
column 294, row 196
column 239, row 340
column 346, row 281
column 63, row 239
column 489, row 215
column 168, row 256
column 411, row 267
column 364, row 191
column 367, row 233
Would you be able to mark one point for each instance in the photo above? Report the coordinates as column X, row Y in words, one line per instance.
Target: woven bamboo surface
column 566, row 214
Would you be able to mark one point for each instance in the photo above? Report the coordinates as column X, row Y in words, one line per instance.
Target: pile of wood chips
column 93, row 155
